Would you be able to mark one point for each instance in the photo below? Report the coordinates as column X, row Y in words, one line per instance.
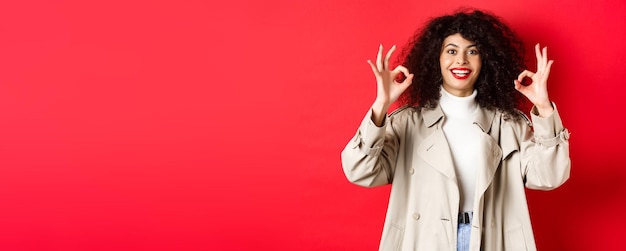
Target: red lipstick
column 460, row 73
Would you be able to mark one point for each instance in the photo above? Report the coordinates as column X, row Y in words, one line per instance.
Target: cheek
column 444, row 62
column 478, row 65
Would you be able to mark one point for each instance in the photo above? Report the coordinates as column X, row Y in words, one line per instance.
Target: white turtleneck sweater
column 463, row 137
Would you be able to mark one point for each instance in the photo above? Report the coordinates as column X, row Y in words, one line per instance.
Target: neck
column 458, row 92
column 456, row 106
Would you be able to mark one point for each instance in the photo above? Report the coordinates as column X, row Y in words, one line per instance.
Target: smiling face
column 460, row 65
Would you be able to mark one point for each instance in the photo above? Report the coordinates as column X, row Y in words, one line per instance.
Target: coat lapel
column 434, row 149
column 488, row 164
column 436, row 152
column 492, row 154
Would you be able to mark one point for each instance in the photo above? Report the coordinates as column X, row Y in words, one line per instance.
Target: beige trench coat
column 410, row 152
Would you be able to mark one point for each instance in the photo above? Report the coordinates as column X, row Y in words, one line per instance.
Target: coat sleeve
column 369, row 158
column 545, row 152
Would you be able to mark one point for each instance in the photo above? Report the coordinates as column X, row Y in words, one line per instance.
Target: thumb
column 409, row 80
column 518, row 85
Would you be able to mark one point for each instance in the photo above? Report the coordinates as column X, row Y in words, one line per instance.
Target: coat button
column 416, row 216
column 412, row 171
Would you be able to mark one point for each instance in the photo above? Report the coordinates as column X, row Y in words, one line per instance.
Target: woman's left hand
column 537, row 91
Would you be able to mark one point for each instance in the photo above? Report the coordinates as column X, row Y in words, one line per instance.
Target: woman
column 459, row 154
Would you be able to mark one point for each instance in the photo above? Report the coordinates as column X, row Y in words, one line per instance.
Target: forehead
column 458, row 40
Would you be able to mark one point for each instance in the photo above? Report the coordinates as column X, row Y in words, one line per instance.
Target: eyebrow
column 454, row 45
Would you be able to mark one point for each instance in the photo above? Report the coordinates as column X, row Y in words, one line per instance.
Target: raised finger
column 374, row 68
column 545, row 57
column 379, row 56
column 388, row 56
column 546, row 72
column 540, row 63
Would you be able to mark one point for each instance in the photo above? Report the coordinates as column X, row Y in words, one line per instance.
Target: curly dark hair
column 502, row 56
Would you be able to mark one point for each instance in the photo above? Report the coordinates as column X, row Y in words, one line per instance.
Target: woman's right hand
column 388, row 89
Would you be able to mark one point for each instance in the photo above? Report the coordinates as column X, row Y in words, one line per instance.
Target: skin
column 459, row 53
column 537, row 91
column 389, row 90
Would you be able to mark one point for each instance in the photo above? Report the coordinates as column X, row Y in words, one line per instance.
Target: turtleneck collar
column 460, row 107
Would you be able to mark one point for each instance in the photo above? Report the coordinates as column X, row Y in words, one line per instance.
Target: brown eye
column 451, row 52
column 472, row 52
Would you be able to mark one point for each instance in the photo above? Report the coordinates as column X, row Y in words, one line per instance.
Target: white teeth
column 460, row 71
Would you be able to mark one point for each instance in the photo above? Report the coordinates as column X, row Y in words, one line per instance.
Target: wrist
column 379, row 112
column 380, row 106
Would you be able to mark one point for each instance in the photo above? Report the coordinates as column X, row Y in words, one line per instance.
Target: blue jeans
column 463, row 235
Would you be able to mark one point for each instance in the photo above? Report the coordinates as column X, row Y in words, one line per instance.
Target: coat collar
column 435, row 146
column 484, row 118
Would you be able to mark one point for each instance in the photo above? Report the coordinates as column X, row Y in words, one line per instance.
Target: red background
column 198, row 125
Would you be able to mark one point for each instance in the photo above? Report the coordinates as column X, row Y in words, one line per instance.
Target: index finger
column 379, row 63
column 388, row 56
column 402, row 69
column 525, row 73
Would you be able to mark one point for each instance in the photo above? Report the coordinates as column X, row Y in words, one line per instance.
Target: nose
column 461, row 59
